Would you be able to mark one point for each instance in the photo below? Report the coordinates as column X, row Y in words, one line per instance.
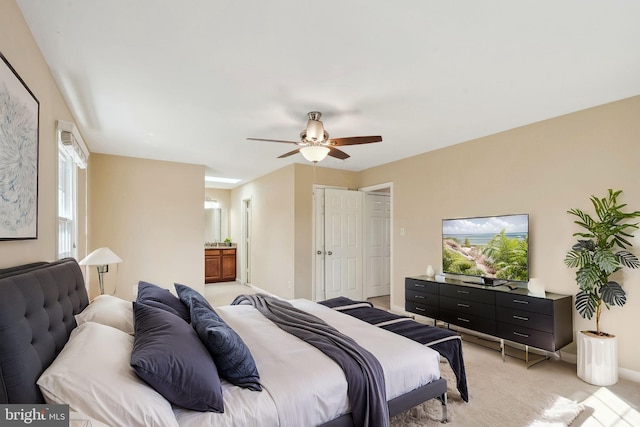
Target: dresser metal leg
column 536, row 361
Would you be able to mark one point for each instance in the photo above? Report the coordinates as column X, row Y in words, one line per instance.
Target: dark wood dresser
column 511, row 314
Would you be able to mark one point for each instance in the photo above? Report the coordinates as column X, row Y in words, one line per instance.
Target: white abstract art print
column 19, row 116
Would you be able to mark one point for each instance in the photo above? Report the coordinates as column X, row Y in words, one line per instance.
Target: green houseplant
column 601, row 251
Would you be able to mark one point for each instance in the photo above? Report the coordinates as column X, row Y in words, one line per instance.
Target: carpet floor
column 548, row 394
column 538, row 410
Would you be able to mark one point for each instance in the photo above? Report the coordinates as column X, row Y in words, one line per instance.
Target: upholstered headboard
column 38, row 302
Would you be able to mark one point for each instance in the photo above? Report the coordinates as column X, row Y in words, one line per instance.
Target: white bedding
column 302, row 386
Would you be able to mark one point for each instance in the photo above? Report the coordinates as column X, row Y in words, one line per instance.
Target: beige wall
column 542, row 169
column 19, row 48
column 151, row 214
column 272, row 230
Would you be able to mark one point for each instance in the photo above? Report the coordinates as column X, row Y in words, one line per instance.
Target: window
column 72, row 154
column 66, row 204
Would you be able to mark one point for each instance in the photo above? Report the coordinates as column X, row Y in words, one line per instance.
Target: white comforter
column 302, row 386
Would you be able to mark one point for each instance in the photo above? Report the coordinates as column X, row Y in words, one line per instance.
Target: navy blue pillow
column 159, row 297
column 187, row 295
column 168, row 355
column 230, row 354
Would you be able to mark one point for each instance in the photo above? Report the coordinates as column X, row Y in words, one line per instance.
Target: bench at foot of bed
column 444, row 341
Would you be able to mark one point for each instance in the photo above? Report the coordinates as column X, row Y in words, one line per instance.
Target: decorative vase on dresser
column 431, row 273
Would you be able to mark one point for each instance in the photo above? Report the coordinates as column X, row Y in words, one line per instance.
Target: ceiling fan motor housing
column 314, row 133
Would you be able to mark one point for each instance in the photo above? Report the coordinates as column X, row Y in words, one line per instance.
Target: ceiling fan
column 315, row 144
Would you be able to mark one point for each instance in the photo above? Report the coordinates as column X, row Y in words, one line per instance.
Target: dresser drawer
column 465, row 306
column 531, row 337
column 468, row 293
column 480, row 324
column 524, row 302
column 422, row 309
column 525, row 319
column 421, row 286
column 421, row 297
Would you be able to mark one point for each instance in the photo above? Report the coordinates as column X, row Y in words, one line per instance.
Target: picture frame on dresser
column 19, row 141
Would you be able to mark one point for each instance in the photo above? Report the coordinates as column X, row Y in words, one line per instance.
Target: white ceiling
column 189, row 81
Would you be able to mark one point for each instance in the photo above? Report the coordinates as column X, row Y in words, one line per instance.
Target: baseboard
column 629, row 374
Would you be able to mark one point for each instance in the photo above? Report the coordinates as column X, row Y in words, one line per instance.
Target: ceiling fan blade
column 338, row 154
column 273, row 140
column 354, row 140
column 290, row 153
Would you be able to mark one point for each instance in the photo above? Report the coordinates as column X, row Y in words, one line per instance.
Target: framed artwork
column 19, row 121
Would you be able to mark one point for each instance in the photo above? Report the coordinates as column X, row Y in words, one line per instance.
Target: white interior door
column 245, row 259
column 343, row 243
column 377, row 235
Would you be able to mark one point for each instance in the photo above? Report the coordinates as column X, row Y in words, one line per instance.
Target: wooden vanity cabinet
column 219, row 265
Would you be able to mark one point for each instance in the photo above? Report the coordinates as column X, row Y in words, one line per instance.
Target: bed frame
column 38, row 302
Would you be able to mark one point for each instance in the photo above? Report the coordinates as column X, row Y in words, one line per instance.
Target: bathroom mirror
column 215, row 229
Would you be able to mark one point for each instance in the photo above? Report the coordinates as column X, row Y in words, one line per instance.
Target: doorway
column 352, row 242
column 377, row 244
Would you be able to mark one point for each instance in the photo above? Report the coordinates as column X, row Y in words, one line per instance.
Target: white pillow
column 108, row 310
column 92, row 374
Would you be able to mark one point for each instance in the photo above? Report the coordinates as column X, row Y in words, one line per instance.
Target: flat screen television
column 493, row 248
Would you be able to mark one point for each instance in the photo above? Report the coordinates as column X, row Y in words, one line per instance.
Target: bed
column 56, row 347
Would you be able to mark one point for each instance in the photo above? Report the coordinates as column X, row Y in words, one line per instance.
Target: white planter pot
column 597, row 359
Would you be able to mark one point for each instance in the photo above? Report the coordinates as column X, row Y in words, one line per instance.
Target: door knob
column 319, row 252
column 329, row 253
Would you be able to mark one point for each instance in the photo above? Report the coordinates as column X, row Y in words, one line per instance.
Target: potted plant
column 601, row 251
column 227, row 241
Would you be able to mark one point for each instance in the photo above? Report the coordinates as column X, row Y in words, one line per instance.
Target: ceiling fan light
column 314, row 153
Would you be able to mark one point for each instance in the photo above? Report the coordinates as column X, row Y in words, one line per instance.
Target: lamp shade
column 101, row 256
column 314, row 153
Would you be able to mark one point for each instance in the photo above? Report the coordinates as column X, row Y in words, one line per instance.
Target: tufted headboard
column 38, row 302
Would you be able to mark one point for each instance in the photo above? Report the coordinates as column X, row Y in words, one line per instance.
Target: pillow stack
column 182, row 362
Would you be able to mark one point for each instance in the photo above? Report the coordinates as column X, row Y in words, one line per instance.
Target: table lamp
column 101, row 258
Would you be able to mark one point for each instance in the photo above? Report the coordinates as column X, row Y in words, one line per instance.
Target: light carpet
column 501, row 394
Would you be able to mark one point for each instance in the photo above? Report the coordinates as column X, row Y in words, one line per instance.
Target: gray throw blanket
column 365, row 377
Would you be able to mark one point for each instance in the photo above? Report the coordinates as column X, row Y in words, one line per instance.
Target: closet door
column 343, row 243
